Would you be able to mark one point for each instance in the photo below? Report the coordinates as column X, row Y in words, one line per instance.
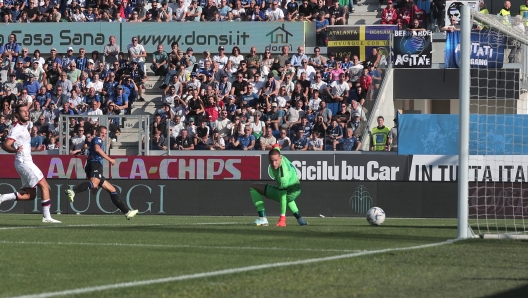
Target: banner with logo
column 413, row 49
column 359, row 40
column 482, row 168
column 344, row 167
column 453, row 10
column 199, row 36
column 203, row 36
column 145, row 167
column 487, row 49
column 90, row 36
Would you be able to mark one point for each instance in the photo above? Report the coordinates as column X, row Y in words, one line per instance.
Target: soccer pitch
column 199, row 256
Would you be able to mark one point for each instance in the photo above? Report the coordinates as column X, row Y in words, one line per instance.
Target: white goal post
column 493, row 138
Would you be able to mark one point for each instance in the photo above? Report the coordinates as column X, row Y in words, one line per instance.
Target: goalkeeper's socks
column 83, row 187
column 8, row 197
column 297, row 215
column 262, row 214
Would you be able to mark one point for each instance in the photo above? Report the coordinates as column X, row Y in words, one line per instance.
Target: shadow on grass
column 297, row 232
column 521, row 292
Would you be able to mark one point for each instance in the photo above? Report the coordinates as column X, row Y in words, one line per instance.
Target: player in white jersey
column 18, row 142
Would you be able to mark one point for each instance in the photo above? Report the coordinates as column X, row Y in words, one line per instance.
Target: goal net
column 498, row 137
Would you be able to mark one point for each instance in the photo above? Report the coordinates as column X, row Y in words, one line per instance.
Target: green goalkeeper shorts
column 273, row 192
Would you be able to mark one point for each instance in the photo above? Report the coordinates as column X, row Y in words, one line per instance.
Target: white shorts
column 30, row 174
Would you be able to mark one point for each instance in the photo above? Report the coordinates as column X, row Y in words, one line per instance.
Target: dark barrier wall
column 231, row 198
column 443, row 83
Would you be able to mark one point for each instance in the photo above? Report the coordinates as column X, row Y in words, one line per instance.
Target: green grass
column 89, row 251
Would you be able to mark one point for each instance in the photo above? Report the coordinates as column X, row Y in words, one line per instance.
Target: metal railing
column 143, row 128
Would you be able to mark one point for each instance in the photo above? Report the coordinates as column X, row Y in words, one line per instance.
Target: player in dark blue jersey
column 94, row 172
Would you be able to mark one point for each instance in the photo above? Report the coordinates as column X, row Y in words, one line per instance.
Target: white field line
column 226, row 271
column 175, row 246
column 47, row 226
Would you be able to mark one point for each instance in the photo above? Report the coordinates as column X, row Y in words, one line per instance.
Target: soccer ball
column 375, row 216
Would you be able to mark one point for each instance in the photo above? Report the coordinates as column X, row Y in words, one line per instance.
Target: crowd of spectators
column 234, row 102
column 15, row 11
column 87, row 85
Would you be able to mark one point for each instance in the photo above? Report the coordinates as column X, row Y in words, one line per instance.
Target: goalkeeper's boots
column 131, row 214
column 70, row 194
column 261, row 222
column 282, row 221
column 302, row 222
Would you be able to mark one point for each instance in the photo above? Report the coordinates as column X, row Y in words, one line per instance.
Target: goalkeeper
column 288, row 189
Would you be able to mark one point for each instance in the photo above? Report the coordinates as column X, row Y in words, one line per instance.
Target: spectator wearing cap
column 13, row 84
column 32, row 86
column 160, row 61
column 208, row 12
column 66, row 60
column 357, row 125
column 121, row 99
column 194, row 83
column 221, row 58
column 275, row 13
column 194, row 12
column 37, row 71
column 110, row 52
column 81, row 61
column 223, row 87
column 389, row 15
column 139, row 77
column 131, row 90
column 136, row 51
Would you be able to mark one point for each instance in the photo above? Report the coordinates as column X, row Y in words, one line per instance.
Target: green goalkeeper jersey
column 285, row 175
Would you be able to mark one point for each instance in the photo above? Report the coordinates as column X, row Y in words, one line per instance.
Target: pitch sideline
column 174, row 246
column 227, row 271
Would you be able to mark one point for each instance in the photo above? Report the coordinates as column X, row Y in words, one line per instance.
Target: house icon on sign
column 279, row 35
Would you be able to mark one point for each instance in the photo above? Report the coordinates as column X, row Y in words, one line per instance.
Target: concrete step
column 124, row 152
